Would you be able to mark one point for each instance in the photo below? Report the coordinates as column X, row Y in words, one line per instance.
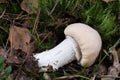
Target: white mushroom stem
column 62, row 54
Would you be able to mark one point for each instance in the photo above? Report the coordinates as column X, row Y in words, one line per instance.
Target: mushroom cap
column 89, row 42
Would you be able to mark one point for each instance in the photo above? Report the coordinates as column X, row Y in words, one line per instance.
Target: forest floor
column 32, row 26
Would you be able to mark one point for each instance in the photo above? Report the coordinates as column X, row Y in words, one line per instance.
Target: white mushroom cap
column 89, row 42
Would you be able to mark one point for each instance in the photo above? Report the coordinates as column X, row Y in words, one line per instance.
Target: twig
column 44, row 38
column 109, row 76
column 3, row 13
column 71, row 77
column 53, row 8
column 17, row 17
column 17, row 23
column 93, row 78
column 36, row 22
column 34, row 30
column 118, row 42
column 3, row 29
column 115, row 45
column 11, row 44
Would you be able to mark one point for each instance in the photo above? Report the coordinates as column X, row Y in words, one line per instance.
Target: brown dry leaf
column 107, row 1
column 30, row 6
column 3, row 1
column 20, row 38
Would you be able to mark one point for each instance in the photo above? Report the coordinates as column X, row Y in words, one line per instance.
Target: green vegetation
column 100, row 15
column 4, row 72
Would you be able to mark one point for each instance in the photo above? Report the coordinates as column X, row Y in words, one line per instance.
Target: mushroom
column 82, row 43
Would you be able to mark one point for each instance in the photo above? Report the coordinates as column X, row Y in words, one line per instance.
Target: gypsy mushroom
column 82, row 43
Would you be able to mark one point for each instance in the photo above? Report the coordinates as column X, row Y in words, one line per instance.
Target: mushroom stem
column 62, row 54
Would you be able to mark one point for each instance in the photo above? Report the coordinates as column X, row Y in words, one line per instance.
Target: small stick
column 71, row 77
column 53, row 8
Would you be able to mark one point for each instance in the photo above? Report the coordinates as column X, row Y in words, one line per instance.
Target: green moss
column 102, row 16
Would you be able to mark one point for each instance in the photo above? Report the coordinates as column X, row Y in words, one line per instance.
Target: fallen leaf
column 3, row 1
column 30, row 6
column 20, row 38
